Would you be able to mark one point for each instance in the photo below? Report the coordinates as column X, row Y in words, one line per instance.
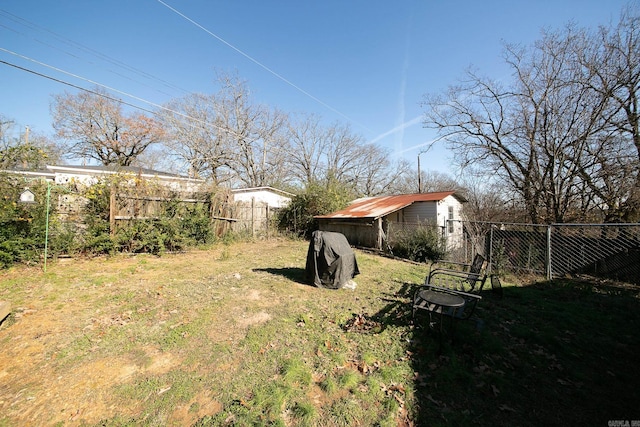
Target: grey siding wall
column 394, row 217
column 420, row 211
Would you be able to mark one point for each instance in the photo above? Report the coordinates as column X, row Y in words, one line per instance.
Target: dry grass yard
column 233, row 336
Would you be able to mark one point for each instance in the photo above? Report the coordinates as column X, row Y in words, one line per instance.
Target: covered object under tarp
column 331, row 263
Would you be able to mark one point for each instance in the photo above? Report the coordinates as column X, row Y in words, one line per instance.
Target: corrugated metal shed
column 377, row 207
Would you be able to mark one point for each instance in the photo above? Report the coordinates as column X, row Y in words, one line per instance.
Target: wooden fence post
column 268, row 220
column 112, row 212
column 253, row 224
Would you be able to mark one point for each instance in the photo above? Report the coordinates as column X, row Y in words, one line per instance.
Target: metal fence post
column 549, row 257
column 491, row 248
column 46, row 230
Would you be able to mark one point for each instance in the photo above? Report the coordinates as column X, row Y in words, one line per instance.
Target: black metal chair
column 448, row 296
column 475, row 266
column 466, row 285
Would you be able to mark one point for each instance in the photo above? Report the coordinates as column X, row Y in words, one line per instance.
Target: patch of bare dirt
column 199, row 407
column 52, row 394
column 362, row 323
column 254, row 319
column 36, row 389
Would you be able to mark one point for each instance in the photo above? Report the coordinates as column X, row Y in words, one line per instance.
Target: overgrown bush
column 22, row 226
column 175, row 225
column 317, row 199
column 99, row 244
column 420, row 244
column 19, row 250
column 141, row 236
column 196, row 225
column 96, row 238
column 159, row 220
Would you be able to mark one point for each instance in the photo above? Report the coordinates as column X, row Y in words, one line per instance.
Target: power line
column 261, row 65
column 24, row 22
column 72, row 85
column 79, row 77
column 207, row 124
column 83, row 48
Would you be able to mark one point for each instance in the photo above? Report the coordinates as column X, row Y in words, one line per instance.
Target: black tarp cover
column 331, row 262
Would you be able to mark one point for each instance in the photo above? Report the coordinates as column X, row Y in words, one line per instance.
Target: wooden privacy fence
column 127, row 204
column 253, row 217
column 125, row 207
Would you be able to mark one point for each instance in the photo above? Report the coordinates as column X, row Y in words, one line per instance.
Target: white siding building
column 87, row 176
column 272, row 197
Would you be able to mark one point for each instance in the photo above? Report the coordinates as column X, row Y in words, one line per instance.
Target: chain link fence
column 609, row 251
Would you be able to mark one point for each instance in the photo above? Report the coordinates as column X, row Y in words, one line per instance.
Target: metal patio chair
column 475, row 266
column 466, row 285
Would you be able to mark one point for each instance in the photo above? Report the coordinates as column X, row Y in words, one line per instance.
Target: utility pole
column 419, row 175
column 419, row 171
column 26, row 143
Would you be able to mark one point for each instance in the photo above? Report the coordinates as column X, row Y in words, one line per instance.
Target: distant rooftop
column 51, row 170
column 115, row 169
column 263, row 188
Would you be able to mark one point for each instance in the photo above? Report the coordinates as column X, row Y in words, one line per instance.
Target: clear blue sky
column 363, row 62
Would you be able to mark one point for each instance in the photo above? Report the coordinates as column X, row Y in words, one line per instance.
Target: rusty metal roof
column 376, row 207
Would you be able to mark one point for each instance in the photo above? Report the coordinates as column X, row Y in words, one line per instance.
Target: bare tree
column 306, row 137
column 334, row 153
column 610, row 62
column 564, row 135
column 229, row 138
column 531, row 134
column 375, row 173
column 195, row 136
column 433, row 181
column 406, row 181
column 5, row 130
column 93, row 125
column 343, row 151
column 489, row 203
column 254, row 133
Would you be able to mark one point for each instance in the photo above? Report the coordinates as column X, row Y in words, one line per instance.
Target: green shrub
column 102, row 244
column 140, row 236
column 23, row 226
column 419, row 244
column 175, row 224
column 318, row 199
column 96, row 238
column 64, row 238
column 8, row 253
column 196, row 225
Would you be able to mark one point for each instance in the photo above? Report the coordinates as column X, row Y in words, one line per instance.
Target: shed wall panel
column 272, row 199
column 358, row 234
column 420, row 211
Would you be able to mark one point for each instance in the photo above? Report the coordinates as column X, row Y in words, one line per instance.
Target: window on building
column 450, row 219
